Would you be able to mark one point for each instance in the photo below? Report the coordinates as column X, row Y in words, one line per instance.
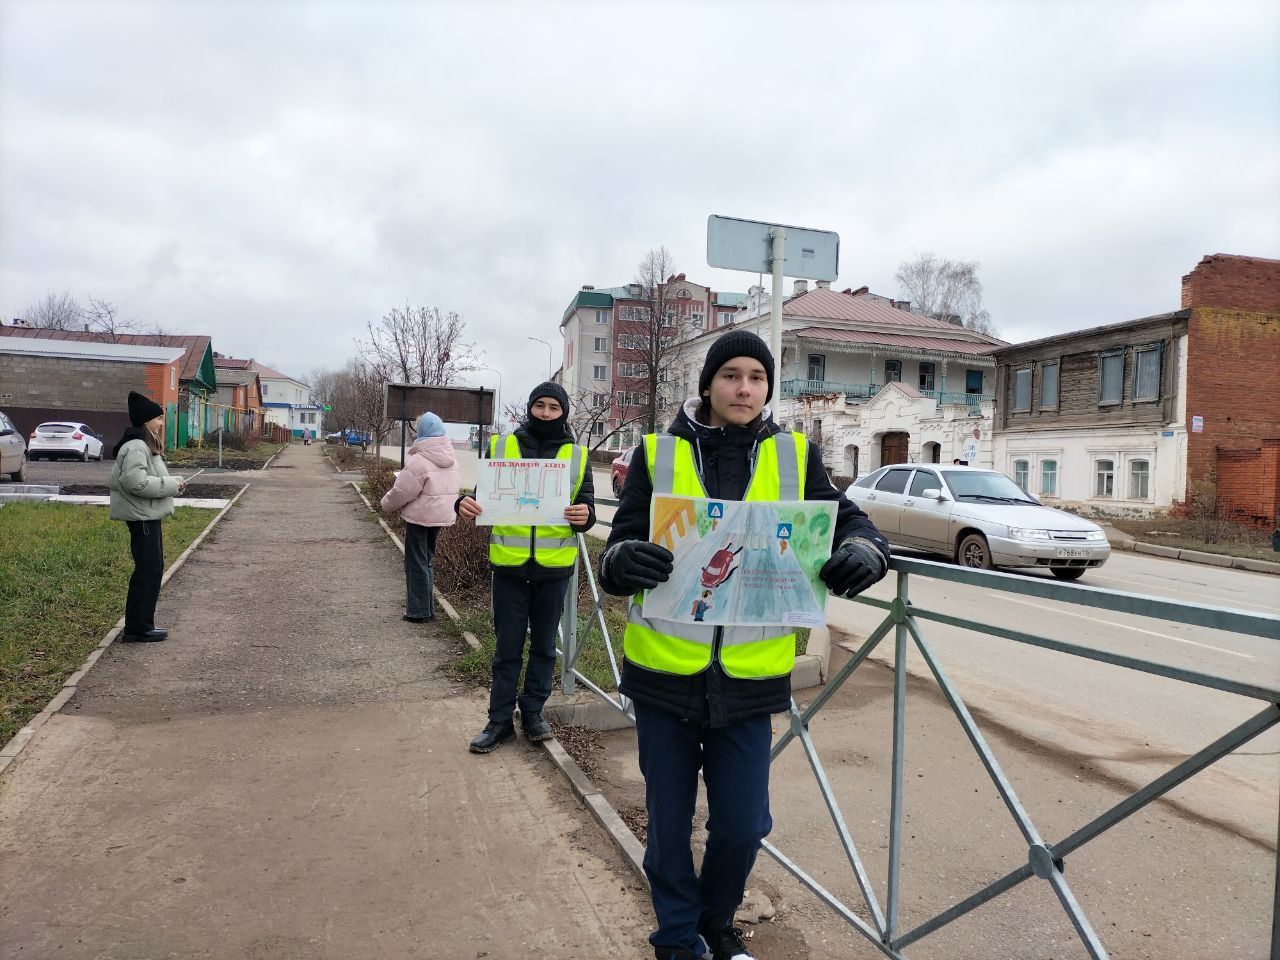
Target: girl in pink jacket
column 424, row 494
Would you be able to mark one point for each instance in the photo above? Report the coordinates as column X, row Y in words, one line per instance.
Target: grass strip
column 64, row 572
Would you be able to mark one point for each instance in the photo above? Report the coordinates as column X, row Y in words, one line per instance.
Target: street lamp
column 550, row 370
column 497, row 401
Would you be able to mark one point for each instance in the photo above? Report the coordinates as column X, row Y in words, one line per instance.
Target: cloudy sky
column 277, row 173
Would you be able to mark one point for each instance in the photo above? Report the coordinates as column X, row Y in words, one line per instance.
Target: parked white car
column 64, row 438
column 980, row 518
column 13, row 451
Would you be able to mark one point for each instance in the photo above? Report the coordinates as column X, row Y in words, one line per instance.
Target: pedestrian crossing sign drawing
column 742, row 563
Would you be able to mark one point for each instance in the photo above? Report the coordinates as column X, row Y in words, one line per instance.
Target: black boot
column 536, row 728
column 154, row 635
column 493, row 734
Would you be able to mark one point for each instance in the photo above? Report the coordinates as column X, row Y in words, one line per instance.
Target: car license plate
column 1072, row 553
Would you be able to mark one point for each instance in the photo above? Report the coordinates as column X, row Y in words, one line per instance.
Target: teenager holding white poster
column 531, row 567
column 703, row 694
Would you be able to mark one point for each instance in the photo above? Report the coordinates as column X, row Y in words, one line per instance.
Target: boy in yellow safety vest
column 703, row 694
column 531, row 568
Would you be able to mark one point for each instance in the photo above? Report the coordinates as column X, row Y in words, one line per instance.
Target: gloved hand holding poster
column 742, row 563
column 522, row 492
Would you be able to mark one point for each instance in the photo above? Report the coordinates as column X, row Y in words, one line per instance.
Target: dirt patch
column 199, row 491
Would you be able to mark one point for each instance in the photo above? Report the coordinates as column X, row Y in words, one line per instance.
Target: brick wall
column 1233, row 353
column 1249, row 483
column 95, row 392
column 1249, row 284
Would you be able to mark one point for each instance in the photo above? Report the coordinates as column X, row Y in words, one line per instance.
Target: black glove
column 639, row 565
column 855, row 565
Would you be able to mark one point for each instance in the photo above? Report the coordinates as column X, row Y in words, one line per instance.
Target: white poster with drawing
column 522, row 492
column 742, row 563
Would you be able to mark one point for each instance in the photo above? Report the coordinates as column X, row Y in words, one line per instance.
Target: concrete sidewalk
column 288, row 776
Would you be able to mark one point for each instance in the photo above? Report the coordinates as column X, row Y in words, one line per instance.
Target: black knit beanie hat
column 737, row 343
column 555, row 392
column 142, row 409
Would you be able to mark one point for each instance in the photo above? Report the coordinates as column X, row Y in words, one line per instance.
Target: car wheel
column 84, row 455
column 617, row 487
column 1067, row 573
column 19, row 475
column 974, row 552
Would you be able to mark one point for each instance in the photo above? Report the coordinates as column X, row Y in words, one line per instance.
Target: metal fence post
column 901, row 639
column 569, row 631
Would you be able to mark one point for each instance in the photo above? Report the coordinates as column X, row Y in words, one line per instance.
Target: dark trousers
column 419, row 548
column 147, row 548
column 735, row 767
column 521, row 605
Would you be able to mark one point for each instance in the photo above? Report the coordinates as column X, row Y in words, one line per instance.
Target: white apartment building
column 869, row 381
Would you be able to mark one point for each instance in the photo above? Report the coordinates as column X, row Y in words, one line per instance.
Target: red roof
column 195, row 346
column 231, row 363
column 829, row 305
column 876, row 338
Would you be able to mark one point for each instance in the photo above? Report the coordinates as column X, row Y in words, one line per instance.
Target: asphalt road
column 1127, row 724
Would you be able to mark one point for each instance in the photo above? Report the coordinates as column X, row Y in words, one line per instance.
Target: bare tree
column 648, row 336
column 54, row 312
column 946, row 290
column 103, row 316
column 357, row 399
column 420, row 345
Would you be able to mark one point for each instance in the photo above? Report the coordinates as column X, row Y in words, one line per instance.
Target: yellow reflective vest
column 550, row 545
column 747, row 653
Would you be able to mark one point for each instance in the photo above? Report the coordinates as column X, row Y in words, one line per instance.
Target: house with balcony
column 869, row 381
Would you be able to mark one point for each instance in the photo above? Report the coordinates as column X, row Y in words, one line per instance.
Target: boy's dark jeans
column 419, row 548
column 520, row 604
column 147, row 548
column 735, row 767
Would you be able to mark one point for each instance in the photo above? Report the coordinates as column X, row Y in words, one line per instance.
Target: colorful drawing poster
column 739, row 564
column 522, row 492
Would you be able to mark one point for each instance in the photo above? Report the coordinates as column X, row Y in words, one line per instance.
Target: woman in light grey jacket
column 142, row 493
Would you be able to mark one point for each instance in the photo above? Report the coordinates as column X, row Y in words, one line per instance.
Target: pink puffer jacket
column 427, row 486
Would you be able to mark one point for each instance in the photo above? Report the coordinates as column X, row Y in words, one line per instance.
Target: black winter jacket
column 531, row 448
column 711, row 697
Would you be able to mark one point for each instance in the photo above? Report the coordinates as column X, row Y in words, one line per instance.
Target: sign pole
column 775, row 306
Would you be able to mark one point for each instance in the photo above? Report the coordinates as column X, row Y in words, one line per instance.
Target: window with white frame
column 597, row 428
column 1146, row 374
column 602, row 344
column 1104, row 478
column 599, row 372
column 632, row 341
column 1049, row 386
column 893, row 371
column 1139, row 479
column 265, row 389
column 1049, row 478
column 173, row 378
column 926, row 376
column 627, row 368
column 725, row 317
column 1022, row 389
column 1110, row 378
column 602, row 316
column 1022, row 473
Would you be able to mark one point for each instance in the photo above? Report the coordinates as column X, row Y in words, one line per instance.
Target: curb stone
column 10, row 751
column 586, row 791
column 1199, row 556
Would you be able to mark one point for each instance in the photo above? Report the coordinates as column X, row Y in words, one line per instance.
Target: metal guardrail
column 1045, row 860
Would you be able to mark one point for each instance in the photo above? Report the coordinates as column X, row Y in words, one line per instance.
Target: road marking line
column 1207, row 597
column 1124, row 626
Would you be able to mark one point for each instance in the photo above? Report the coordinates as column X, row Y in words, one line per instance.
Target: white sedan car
column 64, row 438
column 979, row 517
